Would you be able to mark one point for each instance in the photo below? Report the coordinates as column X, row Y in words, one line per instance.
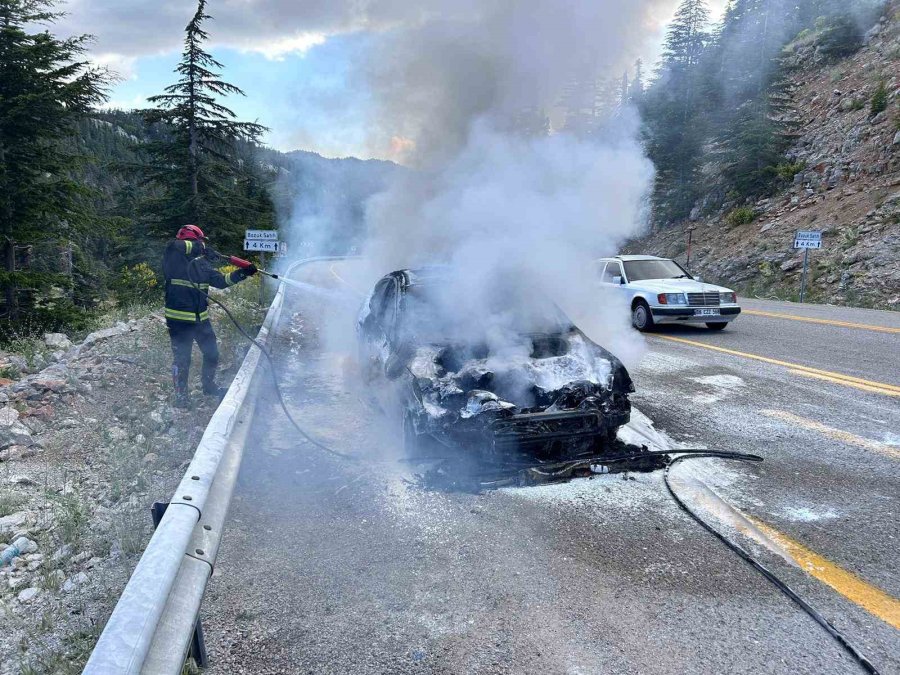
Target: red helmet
column 191, row 232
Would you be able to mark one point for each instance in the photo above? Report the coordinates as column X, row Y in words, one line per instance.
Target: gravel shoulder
column 87, row 443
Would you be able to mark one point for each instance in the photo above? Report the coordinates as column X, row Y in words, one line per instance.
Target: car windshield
column 637, row 270
column 430, row 316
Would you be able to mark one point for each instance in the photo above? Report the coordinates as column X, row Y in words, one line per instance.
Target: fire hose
column 244, row 264
column 839, row 637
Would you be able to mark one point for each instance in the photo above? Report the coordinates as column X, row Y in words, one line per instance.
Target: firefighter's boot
column 180, row 385
column 210, row 388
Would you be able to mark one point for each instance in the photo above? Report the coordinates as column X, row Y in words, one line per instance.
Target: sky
column 302, row 65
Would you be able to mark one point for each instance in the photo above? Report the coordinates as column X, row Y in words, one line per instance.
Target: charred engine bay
column 549, row 413
column 560, row 397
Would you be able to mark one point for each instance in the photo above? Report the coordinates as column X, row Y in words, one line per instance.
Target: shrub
column 879, row 100
column 742, row 215
column 136, row 284
column 849, row 237
column 839, row 36
column 52, row 315
column 788, row 170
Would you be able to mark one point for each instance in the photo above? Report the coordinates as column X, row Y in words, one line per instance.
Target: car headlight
column 671, row 299
column 728, row 298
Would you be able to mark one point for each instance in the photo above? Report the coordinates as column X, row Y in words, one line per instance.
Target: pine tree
column 686, row 37
column 636, row 89
column 674, row 113
column 757, row 121
column 195, row 166
column 45, row 87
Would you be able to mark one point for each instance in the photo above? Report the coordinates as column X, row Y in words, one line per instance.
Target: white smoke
column 514, row 215
column 528, row 213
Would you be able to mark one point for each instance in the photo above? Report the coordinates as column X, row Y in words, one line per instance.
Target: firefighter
column 189, row 275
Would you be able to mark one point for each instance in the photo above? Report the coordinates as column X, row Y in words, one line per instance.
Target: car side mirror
column 698, row 278
column 618, row 280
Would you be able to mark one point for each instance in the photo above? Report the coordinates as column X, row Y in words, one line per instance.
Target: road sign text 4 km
column 808, row 239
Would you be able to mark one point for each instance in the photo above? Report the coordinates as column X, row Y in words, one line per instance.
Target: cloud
column 134, row 28
column 278, row 48
column 120, row 64
column 274, row 28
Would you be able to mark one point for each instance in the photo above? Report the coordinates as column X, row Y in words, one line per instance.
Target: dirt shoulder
column 87, row 444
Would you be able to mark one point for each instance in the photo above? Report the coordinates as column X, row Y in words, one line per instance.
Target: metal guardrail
column 151, row 626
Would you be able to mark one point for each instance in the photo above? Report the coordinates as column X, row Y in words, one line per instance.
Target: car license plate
column 706, row 312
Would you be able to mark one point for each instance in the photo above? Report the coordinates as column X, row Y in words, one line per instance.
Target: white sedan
column 662, row 291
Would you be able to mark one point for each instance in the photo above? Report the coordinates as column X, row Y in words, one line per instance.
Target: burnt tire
column 641, row 318
column 716, row 325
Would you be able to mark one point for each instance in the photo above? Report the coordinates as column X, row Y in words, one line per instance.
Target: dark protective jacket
column 186, row 268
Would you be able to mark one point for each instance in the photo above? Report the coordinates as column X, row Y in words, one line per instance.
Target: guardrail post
column 198, row 644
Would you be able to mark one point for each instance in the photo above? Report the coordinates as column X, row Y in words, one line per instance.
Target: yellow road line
column 836, row 434
column 869, row 597
column 829, row 322
column 857, row 385
column 343, row 281
column 872, row 599
column 838, row 378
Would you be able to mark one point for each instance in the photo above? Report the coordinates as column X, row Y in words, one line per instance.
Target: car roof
column 422, row 275
column 633, row 257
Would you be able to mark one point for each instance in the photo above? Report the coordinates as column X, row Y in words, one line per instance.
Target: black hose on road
column 759, row 567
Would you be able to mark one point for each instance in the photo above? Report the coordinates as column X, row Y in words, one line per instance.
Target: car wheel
column 641, row 318
column 718, row 325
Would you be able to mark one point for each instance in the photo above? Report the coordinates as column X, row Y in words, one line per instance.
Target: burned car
column 517, row 382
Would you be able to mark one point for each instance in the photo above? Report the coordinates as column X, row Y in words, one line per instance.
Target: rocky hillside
column 847, row 186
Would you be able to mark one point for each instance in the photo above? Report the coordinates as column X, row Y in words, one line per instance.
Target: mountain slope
column 849, row 187
column 320, row 201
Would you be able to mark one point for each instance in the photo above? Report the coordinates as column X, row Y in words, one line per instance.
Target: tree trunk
column 9, row 288
column 192, row 135
column 192, row 149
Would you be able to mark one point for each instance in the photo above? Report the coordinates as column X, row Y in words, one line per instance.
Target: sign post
column 261, row 241
column 803, row 276
column 690, row 232
column 806, row 239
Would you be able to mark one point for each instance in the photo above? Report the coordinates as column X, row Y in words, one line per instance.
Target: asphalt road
column 345, row 566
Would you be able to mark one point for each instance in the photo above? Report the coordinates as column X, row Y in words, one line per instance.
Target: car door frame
column 621, row 275
column 376, row 335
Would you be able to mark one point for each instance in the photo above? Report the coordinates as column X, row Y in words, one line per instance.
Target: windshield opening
column 638, row 270
column 432, row 315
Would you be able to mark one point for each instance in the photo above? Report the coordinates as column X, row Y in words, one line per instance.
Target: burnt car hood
column 553, row 386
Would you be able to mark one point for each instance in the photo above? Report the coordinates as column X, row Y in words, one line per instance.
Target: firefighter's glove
column 251, row 270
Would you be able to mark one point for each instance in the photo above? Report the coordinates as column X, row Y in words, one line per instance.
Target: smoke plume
column 490, row 200
column 502, row 206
